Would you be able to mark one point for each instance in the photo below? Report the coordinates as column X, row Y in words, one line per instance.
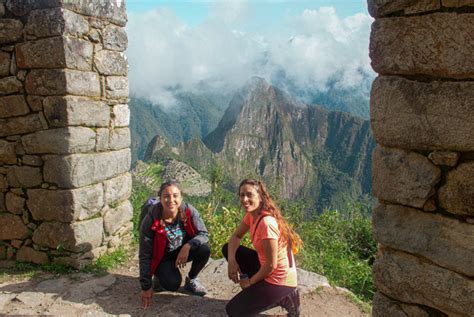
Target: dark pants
column 168, row 274
column 261, row 295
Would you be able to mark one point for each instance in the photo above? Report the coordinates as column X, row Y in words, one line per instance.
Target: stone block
column 113, row 11
column 2, row 10
column 88, row 234
column 55, row 52
column 384, row 306
column 35, row 102
column 115, row 218
column 380, row 8
column 10, row 85
column 62, row 82
column 94, row 36
column 32, row 160
column 119, row 139
column 432, row 236
column 457, row 193
column 4, row 64
column 114, row 38
column 65, row 205
column 24, row 176
column 27, row 254
column 10, row 30
column 417, row 115
column 83, row 83
column 121, row 116
column 14, row 203
column 16, row 243
column 44, row 53
column 457, row 3
column 20, row 125
column 60, row 141
column 409, row 279
column 438, row 44
column 12, row 227
column 22, row 7
column 102, row 139
column 403, row 177
column 70, row 111
column 14, row 105
column 118, row 188
column 7, row 152
column 55, row 235
column 111, row 63
column 444, row 158
column 56, row 21
column 79, row 170
column 116, row 87
column 78, row 54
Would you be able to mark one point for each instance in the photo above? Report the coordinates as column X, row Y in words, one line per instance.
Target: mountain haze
column 305, row 150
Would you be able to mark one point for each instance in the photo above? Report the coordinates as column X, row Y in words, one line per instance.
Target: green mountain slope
column 306, row 151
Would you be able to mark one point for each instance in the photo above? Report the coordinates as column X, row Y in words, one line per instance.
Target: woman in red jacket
column 267, row 274
column 171, row 234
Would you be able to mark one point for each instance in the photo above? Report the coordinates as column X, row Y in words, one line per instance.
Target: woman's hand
column 183, row 255
column 233, row 271
column 146, row 298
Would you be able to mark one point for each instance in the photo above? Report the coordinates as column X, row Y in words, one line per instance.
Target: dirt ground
column 117, row 293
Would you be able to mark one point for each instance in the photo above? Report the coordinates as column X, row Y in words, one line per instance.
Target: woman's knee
column 171, row 285
column 204, row 250
column 225, row 249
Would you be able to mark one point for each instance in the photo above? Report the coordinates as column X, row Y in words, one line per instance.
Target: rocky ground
column 117, row 293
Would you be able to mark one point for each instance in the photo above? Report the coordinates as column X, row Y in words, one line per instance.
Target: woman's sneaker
column 195, row 286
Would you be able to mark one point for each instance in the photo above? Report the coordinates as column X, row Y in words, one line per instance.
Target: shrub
column 340, row 246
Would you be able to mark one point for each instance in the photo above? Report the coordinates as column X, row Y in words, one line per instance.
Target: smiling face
column 171, row 199
column 250, row 198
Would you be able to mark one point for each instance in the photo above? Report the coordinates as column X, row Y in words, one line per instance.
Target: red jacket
column 161, row 241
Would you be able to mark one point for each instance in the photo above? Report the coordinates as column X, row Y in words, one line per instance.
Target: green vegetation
column 340, row 246
column 111, row 260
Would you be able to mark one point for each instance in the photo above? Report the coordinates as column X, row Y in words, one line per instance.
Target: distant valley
column 306, row 151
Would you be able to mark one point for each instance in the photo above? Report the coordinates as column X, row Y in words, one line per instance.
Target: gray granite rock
column 403, row 177
column 457, row 193
column 445, row 241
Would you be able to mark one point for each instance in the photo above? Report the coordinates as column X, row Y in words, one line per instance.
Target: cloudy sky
column 224, row 43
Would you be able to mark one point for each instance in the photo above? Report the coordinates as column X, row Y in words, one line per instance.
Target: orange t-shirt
column 268, row 229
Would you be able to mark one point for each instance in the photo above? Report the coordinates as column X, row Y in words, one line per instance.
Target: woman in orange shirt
column 267, row 274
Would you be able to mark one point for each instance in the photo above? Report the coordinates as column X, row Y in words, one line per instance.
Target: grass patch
column 108, row 261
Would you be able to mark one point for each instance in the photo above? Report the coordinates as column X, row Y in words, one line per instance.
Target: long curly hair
column 287, row 235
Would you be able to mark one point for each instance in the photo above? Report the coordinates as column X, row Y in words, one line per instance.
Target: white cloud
column 310, row 49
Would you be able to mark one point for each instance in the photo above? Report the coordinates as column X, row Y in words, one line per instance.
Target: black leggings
column 168, row 274
column 261, row 295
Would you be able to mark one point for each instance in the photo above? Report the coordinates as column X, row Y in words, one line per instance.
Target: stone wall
column 422, row 115
column 64, row 136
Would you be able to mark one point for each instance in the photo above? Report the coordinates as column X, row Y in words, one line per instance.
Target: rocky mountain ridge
column 306, row 150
